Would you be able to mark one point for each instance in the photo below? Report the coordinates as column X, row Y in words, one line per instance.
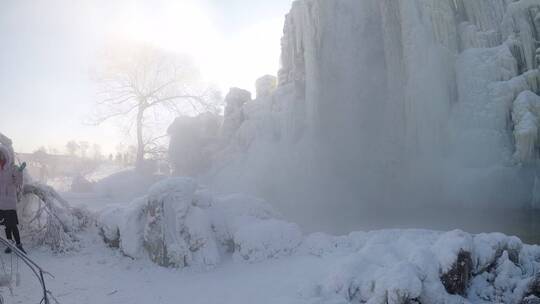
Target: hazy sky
column 48, row 48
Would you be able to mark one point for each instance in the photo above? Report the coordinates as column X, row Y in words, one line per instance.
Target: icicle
column 536, row 193
column 525, row 111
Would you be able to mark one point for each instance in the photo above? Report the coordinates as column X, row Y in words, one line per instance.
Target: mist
column 362, row 118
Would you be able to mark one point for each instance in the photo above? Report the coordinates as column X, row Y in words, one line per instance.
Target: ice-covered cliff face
column 401, row 100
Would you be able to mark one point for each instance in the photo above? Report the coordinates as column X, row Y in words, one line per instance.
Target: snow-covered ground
column 394, row 264
column 98, row 274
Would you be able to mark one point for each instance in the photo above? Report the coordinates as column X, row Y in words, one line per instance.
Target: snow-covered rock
column 234, row 116
column 415, row 266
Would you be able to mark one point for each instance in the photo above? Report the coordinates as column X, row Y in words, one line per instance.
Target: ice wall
column 385, row 101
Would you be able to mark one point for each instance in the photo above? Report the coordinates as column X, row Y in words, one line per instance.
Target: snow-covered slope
column 395, row 100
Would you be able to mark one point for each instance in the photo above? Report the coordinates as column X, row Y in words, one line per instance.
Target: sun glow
column 225, row 58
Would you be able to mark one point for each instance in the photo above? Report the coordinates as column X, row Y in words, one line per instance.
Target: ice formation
column 415, row 96
column 525, row 111
column 234, row 116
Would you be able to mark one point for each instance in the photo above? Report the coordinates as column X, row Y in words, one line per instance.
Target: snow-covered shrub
column 177, row 233
column 109, row 221
column 47, row 219
column 128, row 219
column 231, row 212
column 266, row 239
column 132, row 227
column 531, row 300
column 450, row 246
column 321, row 244
column 179, row 224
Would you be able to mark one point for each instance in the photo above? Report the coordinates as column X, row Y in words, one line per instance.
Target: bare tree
column 140, row 82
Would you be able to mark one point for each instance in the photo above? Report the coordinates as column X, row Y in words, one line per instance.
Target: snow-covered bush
column 267, row 239
column 47, row 219
column 231, row 212
column 180, row 224
column 321, row 244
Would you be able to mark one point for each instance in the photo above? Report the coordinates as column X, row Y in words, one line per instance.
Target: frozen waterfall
column 395, row 102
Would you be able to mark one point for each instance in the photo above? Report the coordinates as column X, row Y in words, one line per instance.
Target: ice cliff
column 383, row 100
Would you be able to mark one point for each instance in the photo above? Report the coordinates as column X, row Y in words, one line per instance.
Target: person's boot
column 21, row 248
column 7, row 250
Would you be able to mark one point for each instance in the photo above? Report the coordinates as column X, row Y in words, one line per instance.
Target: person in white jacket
column 11, row 178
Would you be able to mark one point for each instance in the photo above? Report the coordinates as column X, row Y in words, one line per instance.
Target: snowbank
column 416, row 266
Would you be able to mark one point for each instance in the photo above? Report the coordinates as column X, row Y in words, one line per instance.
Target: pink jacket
column 10, row 179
